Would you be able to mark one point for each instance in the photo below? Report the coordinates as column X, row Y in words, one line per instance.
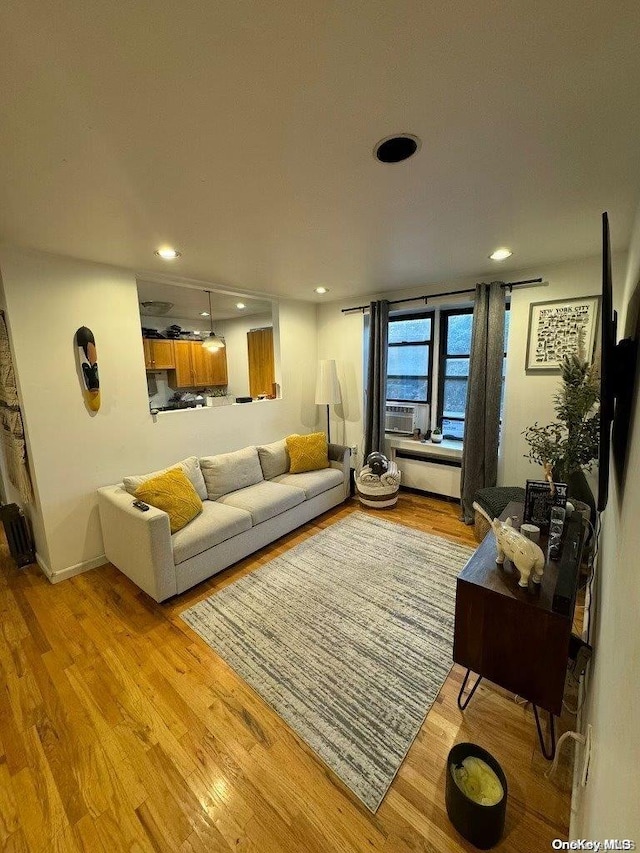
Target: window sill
column 447, row 448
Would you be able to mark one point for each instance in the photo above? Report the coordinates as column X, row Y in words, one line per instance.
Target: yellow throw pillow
column 307, row 452
column 172, row 492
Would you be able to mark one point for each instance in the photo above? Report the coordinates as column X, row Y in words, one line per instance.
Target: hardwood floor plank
column 9, row 817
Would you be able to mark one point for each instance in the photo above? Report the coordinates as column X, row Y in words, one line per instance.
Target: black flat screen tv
column 617, row 380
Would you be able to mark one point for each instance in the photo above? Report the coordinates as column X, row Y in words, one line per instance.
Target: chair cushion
column 215, row 524
column 274, row 459
column 229, row 472
column 264, row 500
column 494, row 499
column 312, row 482
column 173, row 493
column 307, row 452
column 190, row 466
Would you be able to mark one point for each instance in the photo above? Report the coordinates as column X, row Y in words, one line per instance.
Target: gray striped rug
column 348, row 636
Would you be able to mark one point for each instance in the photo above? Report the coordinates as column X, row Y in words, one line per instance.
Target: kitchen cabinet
column 261, row 363
column 158, row 355
column 195, row 367
column 219, row 366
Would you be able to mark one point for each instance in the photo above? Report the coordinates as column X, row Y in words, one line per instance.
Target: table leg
column 462, row 705
column 552, row 732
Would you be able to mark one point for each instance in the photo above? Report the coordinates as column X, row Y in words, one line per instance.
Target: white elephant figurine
column 525, row 555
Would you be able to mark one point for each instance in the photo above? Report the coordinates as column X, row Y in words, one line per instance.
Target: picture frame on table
column 555, row 328
column 539, row 500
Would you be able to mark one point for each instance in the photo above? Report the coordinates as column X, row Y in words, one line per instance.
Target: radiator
column 19, row 539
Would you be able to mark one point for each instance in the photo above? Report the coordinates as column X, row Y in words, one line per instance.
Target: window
column 410, row 358
column 410, row 366
column 455, row 349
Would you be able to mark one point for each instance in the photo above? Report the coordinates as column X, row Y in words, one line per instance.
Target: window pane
column 452, row 429
column 408, row 361
column 406, row 331
column 457, row 367
column 459, row 334
column 406, row 389
column 507, row 321
column 455, row 397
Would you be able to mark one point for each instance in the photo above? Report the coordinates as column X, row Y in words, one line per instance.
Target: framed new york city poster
column 560, row 328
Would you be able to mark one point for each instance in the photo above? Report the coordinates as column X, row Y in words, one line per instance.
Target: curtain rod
column 509, row 284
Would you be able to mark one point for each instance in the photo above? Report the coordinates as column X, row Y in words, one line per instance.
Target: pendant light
column 212, row 342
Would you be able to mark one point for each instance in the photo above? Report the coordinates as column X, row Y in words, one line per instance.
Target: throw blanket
column 365, row 476
column 391, row 476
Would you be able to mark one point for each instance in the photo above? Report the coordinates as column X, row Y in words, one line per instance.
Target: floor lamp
column 327, row 387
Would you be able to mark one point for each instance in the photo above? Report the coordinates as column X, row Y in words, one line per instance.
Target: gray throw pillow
column 191, row 468
column 229, row 472
column 274, row 459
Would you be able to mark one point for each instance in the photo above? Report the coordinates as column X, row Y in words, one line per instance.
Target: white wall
column 608, row 806
column 529, row 397
column 74, row 452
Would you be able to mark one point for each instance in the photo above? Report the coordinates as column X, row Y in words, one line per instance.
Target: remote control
column 141, row 505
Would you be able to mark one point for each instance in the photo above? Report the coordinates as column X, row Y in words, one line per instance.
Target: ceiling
column 188, row 303
column 242, row 133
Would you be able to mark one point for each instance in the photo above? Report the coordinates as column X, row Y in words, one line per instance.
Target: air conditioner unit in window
column 400, row 419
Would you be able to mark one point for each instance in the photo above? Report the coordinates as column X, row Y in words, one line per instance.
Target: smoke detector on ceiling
column 155, row 308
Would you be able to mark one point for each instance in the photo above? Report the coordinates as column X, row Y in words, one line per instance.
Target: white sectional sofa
column 249, row 499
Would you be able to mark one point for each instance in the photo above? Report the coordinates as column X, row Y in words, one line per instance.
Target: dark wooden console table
column 519, row 638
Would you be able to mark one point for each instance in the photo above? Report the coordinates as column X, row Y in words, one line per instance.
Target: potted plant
column 436, row 435
column 569, row 446
column 218, row 397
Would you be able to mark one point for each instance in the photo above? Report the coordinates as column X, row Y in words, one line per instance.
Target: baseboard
column 70, row 571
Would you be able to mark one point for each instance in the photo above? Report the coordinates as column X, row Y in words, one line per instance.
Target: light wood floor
column 121, row 730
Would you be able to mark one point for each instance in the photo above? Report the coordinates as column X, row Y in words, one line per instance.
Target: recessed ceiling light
column 501, row 254
column 322, row 290
column 240, row 305
column 204, row 313
column 396, row 148
column 167, row 253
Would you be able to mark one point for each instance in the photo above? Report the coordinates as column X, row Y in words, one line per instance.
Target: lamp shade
column 327, row 385
column 212, row 342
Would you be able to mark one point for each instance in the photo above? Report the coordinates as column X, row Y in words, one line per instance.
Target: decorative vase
column 578, row 488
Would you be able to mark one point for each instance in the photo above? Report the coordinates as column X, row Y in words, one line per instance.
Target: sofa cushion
column 173, row 493
column 215, row 524
column 191, row 468
column 312, row 482
column 307, row 452
column 274, row 459
column 264, row 500
column 229, row 472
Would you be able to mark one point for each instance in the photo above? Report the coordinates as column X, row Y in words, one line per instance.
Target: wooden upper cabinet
column 219, row 367
column 261, row 361
column 197, row 368
column 201, row 365
column 183, row 377
column 158, row 355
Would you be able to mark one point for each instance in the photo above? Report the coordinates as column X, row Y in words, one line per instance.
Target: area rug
column 348, row 636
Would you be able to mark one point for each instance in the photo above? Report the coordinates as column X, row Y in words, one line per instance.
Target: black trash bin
column 481, row 825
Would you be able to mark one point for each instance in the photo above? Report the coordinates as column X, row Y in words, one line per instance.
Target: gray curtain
column 376, row 395
column 482, row 417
